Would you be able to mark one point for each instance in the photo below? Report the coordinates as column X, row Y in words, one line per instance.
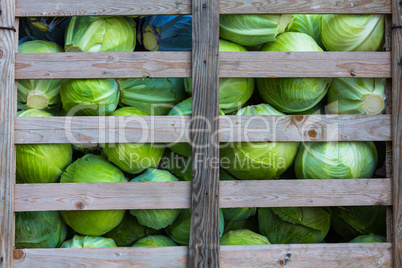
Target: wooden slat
column 282, row 193
column 8, row 98
column 308, row 255
column 178, row 64
column 176, row 129
column 305, row 64
column 31, row 8
column 397, row 131
column 102, row 65
column 204, row 228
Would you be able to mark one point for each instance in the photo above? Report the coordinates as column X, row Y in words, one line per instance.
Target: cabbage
column 252, row 30
column 291, row 95
column 178, row 165
column 90, row 169
column 39, row 94
column 179, row 231
column 153, row 96
column 41, row 229
column 258, row 160
column 100, row 34
column 233, row 92
column 41, row 163
column 155, row 218
column 357, row 96
column 89, row 97
column 336, row 160
column 370, row 238
column 166, row 33
column 89, row 242
column 133, row 158
column 352, row 32
column 155, row 241
column 128, row 231
column 294, row 225
column 243, row 237
column 349, row 222
column 308, row 24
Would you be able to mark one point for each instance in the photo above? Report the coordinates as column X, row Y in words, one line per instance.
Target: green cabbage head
column 155, row 218
column 89, row 242
column 258, row 160
column 41, row 163
column 100, row 34
column 155, row 241
column 357, row 96
column 39, row 229
column 370, row 238
column 243, row 237
column 152, row 95
column 290, row 95
column 308, row 24
column 133, row 158
column 89, row 97
column 336, row 160
column 352, row 32
column 292, row 225
column 43, row 94
column 92, row 169
column 233, row 92
column 252, row 30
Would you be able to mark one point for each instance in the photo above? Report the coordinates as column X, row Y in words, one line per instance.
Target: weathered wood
column 308, row 255
column 103, row 65
column 168, row 195
column 305, row 64
column 31, row 8
column 178, row 64
column 397, row 131
column 7, row 113
column 204, row 234
column 177, row 129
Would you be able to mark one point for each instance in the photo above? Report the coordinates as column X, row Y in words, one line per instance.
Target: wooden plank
column 178, row 64
column 31, row 8
column 305, row 64
column 103, row 65
column 204, row 234
column 177, row 129
column 308, row 255
column 8, row 109
column 80, row 129
column 397, row 130
column 304, row 6
column 168, row 195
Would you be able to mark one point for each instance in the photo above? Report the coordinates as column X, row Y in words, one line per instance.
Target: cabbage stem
column 37, row 100
column 373, row 104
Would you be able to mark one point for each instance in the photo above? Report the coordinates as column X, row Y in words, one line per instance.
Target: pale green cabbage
column 155, row 241
column 89, row 242
column 308, row 24
column 243, row 237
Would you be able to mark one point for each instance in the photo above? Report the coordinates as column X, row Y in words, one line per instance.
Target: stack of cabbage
column 136, row 163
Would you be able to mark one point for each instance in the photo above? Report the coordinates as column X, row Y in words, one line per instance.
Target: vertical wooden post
column 7, row 113
column 397, row 129
column 204, row 236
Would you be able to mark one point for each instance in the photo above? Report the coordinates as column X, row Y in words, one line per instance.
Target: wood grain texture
column 168, row 129
column 178, row 64
column 397, row 131
column 305, row 64
column 168, row 195
column 30, row 8
column 309, row 255
column 103, row 65
column 204, row 234
column 7, row 149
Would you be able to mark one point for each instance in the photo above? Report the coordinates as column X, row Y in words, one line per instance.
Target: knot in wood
column 1, row 54
column 312, row 133
column 299, row 118
column 204, row 6
column 18, row 254
column 79, row 205
column 352, row 73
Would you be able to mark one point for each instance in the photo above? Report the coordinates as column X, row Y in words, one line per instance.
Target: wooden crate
column 205, row 194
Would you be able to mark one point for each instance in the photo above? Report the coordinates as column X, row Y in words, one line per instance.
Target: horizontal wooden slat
column 282, row 193
column 178, row 64
column 305, row 64
column 176, row 129
column 31, row 8
column 297, row 255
